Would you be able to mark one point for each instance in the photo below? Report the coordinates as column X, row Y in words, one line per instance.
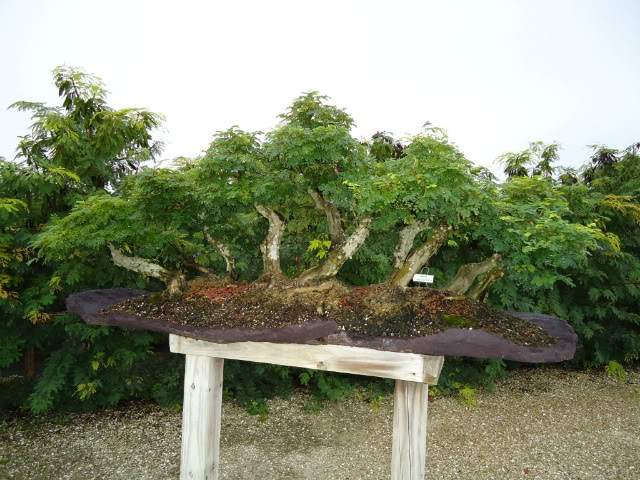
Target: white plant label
column 419, row 277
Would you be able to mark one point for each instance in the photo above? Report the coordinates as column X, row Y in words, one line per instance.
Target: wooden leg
column 201, row 413
column 409, row 448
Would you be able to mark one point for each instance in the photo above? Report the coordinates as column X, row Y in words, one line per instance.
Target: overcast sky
column 495, row 74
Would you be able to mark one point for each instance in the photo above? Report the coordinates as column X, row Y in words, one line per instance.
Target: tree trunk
column 479, row 291
column 175, row 281
column 29, row 363
column 201, row 268
column 421, row 256
column 337, row 256
column 336, row 232
column 468, row 273
column 224, row 251
column 270, row 247
column 405, row 244
column 298, row 265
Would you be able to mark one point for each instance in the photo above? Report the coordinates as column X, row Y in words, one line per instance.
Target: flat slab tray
column 89, row 303
column 453, row 341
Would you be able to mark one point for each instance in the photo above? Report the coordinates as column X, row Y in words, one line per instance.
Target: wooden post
column 201, row 414
column 409, row 441
column 203, row 395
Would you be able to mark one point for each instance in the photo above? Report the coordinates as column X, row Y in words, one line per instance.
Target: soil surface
column 541, row 424
column 374, row 311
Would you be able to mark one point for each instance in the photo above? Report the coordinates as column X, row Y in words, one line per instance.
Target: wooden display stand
column 203, row 395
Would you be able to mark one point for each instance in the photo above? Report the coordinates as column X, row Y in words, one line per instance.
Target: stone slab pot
column 453, row 341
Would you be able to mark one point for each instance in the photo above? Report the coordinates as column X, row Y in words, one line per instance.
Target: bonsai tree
column 310, row 195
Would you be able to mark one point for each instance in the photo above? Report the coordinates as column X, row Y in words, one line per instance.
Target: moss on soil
column 376, row 310
column 455, row 321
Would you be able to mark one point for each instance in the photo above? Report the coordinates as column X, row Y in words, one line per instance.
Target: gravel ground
column 546, row 423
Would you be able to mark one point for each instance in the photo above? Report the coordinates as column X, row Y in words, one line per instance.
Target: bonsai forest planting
column 304, row 225
column 310, row 198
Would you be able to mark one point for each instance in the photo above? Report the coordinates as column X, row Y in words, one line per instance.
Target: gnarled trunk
column 175, row 281
column 421, row 256
column 334, row 221
column 468, row 273
column 270, row 247
column 405, row 244
column 480, row 289
column 337, row 256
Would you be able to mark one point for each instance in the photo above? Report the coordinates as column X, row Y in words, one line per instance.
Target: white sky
column 495, row 74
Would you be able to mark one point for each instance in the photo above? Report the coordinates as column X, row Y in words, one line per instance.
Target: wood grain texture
column 410, row 367
column 201, row 414
column 409, row 443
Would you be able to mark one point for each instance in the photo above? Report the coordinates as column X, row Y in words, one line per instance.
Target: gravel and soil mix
column 542, row 423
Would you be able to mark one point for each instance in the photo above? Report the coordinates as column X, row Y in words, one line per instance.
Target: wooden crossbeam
column 408, row 367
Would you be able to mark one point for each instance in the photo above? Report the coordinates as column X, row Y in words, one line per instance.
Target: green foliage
column 313, row 139
column 14, row 391
column 12, row 205
column 10, row 350
column 538, row 154
column 515, row 164
column 461, row 377
column 596, row 290
column 377, row 389
column 327, row 385
column 319, row 247
column 467, row 394
column 537, row 236
column 85, row 136
column 164, row 379
column 430, row 181
column 614, row 369
column 70, row 152
column 251, row 384
column 95, row 366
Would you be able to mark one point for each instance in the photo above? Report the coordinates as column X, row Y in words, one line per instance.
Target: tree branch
column 421, row 256
column 197, row 266
column 479, row 291
column 270, row 247
column 224, row 251
column 338, row 255
column 405, row 244
column 175, row 281
column 336, row 232
column 468, row 273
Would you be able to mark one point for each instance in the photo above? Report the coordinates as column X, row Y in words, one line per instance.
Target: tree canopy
column 310, row 195
column 72, row 151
